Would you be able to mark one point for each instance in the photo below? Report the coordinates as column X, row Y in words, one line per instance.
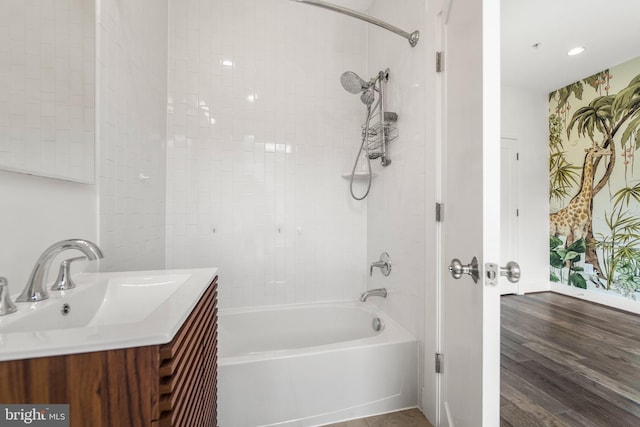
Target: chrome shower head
column 353, row 83
column 367, row 96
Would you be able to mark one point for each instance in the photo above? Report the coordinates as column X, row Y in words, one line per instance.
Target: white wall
column 132, row 76
column 257, row 148
column 36, row 212
column 525, row 117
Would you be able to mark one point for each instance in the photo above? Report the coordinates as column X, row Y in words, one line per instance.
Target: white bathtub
column 312, row 364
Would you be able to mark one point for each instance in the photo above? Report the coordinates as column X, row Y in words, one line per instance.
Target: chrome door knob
column 511, row 271
column 457, row 269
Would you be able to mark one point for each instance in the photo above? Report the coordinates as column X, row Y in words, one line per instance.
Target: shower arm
column 411, row 37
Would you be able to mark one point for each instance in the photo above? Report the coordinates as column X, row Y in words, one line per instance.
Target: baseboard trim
column 614, row 301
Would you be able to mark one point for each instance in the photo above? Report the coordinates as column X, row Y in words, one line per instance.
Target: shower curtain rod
column 411, row 37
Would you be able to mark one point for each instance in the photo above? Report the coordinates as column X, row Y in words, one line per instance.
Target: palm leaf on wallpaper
column 562, row 174
column 562, row 95
column 620, row 246
column 626, row 194
column 625, row 108
column 595, row 116
column 627, row 101
column 620, row 249
column 632, row 132
column 563, row 177
column 628, row 251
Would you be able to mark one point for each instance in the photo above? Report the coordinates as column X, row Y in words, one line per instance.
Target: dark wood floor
column 407, row 418
column 567, row 362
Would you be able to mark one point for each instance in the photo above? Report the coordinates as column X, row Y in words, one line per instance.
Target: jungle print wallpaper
column 594, row 190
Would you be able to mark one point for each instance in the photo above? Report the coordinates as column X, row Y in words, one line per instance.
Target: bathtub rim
column 393, row 332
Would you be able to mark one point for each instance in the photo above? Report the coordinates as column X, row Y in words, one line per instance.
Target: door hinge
column 517, row 212
column 439, row 212
column 517, row 156
column 439, row 363
column 439, row 62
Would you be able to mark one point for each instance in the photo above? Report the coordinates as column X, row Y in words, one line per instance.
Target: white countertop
column 106, row 311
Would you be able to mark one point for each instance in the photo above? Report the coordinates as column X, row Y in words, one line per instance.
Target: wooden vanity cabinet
column 173, row 384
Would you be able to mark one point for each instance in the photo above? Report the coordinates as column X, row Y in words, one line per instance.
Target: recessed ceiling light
column 576, row 51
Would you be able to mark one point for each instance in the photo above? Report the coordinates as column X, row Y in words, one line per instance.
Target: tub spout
column 35, row 289
column 380, row 292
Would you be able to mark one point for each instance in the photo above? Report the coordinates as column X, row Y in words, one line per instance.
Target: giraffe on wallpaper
column 573, row 220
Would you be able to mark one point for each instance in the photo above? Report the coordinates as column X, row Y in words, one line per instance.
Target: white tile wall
column 132, row 133
column 260, row 131
column 47, row 88
column 400, row 219
column 396, row 209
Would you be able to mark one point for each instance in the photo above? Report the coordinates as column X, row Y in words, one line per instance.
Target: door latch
column 491, row 274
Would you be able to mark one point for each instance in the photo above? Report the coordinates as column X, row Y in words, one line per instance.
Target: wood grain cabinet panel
column 171, row 384
column 187, row 367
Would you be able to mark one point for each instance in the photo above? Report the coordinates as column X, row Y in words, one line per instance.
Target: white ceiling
column 609, row 30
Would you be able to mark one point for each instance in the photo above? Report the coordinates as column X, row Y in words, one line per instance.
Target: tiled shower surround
column 397, row 213
column 260, row 133
column 132, row 57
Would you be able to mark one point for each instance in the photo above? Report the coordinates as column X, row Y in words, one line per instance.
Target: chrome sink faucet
column 380, row 292
column 35, row 290
column 6, row 306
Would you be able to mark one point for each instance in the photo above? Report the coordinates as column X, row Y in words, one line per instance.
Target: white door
column 508, row 209
column 470, row 312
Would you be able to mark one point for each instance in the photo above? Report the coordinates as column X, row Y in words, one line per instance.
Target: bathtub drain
column 377, row 324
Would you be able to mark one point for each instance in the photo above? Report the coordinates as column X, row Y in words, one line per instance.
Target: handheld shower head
column 353, row 83
column 367, row 96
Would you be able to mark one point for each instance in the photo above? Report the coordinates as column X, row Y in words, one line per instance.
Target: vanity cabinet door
column 112, row 388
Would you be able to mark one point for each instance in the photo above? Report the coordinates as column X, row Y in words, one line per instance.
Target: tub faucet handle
column 64, row 282
column 6, row 305
column 384, row 264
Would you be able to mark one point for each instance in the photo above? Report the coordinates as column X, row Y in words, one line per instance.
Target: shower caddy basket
column 379, row 129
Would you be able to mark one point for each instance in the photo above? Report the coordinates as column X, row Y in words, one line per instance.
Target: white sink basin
column 132, row 299
column 105, row 311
